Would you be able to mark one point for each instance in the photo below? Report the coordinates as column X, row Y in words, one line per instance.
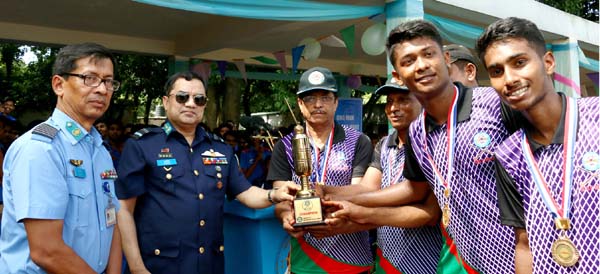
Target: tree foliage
column 31, row 87
column 142, row 79
column 587, row 9
column 27, row 84
column 10, row 54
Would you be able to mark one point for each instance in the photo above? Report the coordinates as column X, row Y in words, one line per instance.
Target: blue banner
column 349, row 112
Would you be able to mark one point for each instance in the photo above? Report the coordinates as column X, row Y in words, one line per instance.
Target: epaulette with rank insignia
column 142, row 132
column 45, row 130
column 215, row 137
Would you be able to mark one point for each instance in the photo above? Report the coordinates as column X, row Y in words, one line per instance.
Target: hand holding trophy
column 307, row 205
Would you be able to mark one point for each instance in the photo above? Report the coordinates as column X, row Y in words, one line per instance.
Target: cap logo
column 316, row 78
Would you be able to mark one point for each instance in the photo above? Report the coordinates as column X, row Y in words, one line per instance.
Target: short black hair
column 410, row 30
column 67, row 56
column 511, row 27
column 116, row 122
column 231, row 133
column 187, row 75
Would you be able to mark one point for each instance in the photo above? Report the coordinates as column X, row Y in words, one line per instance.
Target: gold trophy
column 307, row 205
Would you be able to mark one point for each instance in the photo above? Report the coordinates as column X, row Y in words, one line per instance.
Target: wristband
column 269, row 195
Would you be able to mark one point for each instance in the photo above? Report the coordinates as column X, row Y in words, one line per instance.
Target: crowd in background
column 252, row 146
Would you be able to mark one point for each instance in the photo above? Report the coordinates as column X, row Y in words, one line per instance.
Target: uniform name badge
column 111, row 215
column 110, row 212
column 78, row 171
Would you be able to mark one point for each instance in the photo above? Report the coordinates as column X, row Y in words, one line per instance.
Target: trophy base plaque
column 308, row 211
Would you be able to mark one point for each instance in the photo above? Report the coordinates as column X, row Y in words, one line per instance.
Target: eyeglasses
column 182, row 98
column 313, row 99
column 95, row 81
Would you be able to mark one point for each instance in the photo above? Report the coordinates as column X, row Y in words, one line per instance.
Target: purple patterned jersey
column 483, row 242
column 585, row 196
column 351, row 248
column 412, row 250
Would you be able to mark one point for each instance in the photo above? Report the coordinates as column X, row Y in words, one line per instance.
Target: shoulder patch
column 45, row 130
column 143, row 132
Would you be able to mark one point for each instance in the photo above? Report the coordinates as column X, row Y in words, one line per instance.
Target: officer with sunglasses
column 172, row 186
column 60, row 206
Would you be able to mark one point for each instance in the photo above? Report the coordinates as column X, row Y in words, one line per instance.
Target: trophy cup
column 307, row 206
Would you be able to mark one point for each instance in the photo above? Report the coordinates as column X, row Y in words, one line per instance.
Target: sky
column 28, row 56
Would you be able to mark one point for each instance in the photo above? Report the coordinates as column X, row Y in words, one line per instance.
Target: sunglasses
column 182, row 98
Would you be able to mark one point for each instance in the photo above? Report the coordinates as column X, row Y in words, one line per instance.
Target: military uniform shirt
column 41, row 181
column 180, row 192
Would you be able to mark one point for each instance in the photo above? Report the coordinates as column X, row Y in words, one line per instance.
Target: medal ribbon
column 328, row 147
column 450, row 140
column 570, row 132
column 390, row 167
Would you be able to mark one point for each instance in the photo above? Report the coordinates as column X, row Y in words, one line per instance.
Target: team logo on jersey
column 591, row 161
column 482, row 139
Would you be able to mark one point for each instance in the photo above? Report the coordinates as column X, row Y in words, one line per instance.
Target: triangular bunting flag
column 296, row 54
column 333, row 41
column 348, row 36
column 280, row 56
column 265, row 60
column 354, row 81
column 222, row 66
column 241, row 66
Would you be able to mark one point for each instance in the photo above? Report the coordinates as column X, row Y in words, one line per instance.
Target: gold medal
column 564, row 252
column 446, row 216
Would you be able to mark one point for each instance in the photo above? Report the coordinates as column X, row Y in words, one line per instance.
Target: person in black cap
column 408, row 239
column 340, row 156
column 463, row 67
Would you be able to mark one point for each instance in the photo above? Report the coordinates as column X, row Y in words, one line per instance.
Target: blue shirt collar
column 73, row 130
column 201, row 134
